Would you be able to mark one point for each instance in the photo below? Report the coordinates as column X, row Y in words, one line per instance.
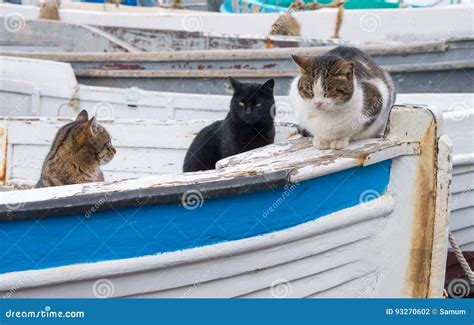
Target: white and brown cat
column 341, row 96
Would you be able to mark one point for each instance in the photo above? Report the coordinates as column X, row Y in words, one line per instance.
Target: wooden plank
column 276, row 53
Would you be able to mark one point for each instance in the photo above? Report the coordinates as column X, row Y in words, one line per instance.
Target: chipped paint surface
column 62, row 37
column 4, row 158
column 307, row 162
column 153, row 40
column 427, row 206
column 424, row 214
column 441, row 222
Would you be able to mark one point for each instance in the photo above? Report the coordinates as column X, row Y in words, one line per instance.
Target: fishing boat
column 57, row 36
column 52, row 36
column 285, row 220
column 372, row 25
column 423, row 67
column 158, row 40
column 25, row 90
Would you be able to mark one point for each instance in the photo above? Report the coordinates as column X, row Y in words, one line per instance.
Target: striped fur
column 78, row 150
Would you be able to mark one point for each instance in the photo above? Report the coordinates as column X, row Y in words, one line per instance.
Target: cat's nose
column 318, row 103
column 248, row 111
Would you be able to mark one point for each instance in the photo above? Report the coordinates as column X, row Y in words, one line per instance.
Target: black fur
column 245, row 127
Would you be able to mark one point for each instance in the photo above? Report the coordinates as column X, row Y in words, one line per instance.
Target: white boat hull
column 390, row 246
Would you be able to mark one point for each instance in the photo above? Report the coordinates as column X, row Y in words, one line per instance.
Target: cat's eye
column 241, row 104
column 258, row 104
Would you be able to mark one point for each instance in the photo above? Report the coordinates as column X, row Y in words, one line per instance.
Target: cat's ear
column 82, row 116
column 92, row 125
column 346, row 69
column 269, row 84
column 303, row 61
column 84, row 131
column 234, row 83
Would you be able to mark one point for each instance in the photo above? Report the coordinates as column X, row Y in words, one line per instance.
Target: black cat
column 247, row 126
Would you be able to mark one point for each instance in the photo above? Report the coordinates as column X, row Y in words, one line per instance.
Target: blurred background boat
column 54, row 36
column 416, row 67
column 57, row 36
column 252, row 6
column 407, row 24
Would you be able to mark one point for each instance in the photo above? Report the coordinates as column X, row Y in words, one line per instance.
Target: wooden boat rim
column 102, row 31
column 227, row 55
column 258, row 73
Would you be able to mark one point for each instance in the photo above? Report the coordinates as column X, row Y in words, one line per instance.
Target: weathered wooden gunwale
column 383, row 49
column 158, row 40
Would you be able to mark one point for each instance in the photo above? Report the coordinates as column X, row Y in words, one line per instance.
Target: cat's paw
column 321, row 144
column 339, row 144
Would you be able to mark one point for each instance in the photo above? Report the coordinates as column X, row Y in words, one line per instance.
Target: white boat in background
column 407, row 24
column 285, row 220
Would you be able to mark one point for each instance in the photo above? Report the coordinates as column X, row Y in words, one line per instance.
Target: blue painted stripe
column 147, row 230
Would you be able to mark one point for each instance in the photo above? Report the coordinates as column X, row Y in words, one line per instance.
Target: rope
column 74, row 101
column 298, row 5
column 339, row 17
column 461, row 259
column 339, row 4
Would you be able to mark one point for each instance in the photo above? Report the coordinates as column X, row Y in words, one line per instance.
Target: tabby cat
column 340, row 96
column 78, row 150
column 247, row 126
